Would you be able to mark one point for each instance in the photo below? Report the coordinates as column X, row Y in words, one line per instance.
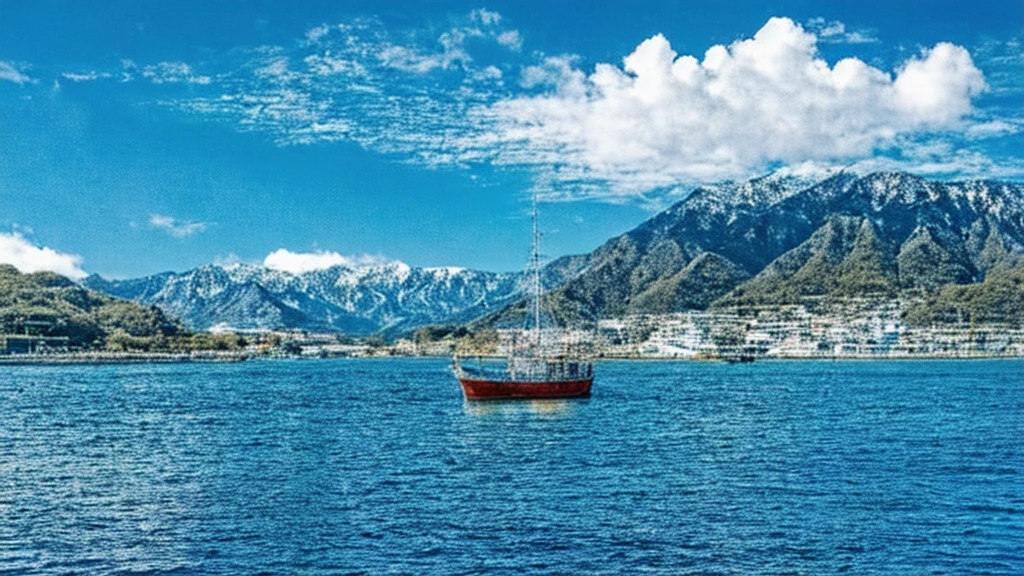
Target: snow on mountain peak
column 442, row 272
column 809, row 171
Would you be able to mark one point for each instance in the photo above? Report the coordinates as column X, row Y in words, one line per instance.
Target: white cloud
column 327, row 65
column 421, row 61
column 175, row 228
column 938, row 159
column 361, row 82
column 298, row 263
column 228, row 262
column 995, row 128
column 315, row 34
column 172, row 73
column 554, row 72
column 128, row 70
column 10, row 73
column 410, row 60
column 652, row 124
column 1002, row 61
column 85, row 76
column 936, row 89
column 663, row 118
column 835, row 31
column 485, row 17
column 27, row 257
column 511, row 40
column 277, row 70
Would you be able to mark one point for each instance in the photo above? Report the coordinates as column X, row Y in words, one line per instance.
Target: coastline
column 113, row 358
column 90, row 358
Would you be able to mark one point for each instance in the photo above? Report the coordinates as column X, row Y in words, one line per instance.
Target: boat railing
column 562, row 369
column 525, row 369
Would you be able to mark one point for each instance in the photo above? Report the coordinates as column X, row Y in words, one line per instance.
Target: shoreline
column 114, row 358
column 98, row 358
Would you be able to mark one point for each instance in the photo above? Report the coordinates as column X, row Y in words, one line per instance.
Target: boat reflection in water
column 497, row 408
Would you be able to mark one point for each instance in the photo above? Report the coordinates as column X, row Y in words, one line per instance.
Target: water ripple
column 381, row 467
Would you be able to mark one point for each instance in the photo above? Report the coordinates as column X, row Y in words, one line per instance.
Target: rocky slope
column 776, row 239
column 358, row 301
column 45, row 304
column 772, row 240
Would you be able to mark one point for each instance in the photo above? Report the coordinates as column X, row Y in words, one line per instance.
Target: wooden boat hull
column 485, row 389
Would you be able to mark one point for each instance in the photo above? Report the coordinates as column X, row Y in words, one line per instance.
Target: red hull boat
column 491, row 389
column 540, row 365
column 557, row 379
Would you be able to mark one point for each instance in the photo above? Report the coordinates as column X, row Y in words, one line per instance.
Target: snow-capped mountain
column 782, row 236
column 772, row 239
column 356, row 300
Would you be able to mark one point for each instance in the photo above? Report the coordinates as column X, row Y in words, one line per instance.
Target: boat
column 544, row 362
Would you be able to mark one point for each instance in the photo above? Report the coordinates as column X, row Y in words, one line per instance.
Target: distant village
column 852, row 329
column 793, row 332
column 849, row 330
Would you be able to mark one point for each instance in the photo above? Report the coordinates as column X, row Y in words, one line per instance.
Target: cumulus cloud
column 27, row 257
column 936, row 88
column 298, row 263
column 662, row 118
column 9, row 72
column 174, row 227
column 656, row 122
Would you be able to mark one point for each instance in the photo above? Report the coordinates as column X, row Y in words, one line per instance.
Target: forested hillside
column 44, row 304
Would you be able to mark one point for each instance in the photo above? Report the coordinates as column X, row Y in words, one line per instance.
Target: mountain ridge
column 355, row 300
column 774, row 239
column 916, row 236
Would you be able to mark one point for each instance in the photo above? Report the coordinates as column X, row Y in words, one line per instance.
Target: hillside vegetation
column 998, row 300
column 949, row 247
column 774, row 241
column 45, row 304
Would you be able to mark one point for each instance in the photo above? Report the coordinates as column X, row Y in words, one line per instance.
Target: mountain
column 778, row 238
column 362, row 300
column 772, row 240
column 44, row 304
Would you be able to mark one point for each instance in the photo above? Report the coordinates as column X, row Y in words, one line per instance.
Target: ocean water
column 381, row 467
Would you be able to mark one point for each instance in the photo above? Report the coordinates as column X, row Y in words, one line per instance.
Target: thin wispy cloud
column 10, row 72
column 656, row 121
column 175, row 227
column 834, row 31
column 86, row 76
column 15, row 249
column 173, row 73
column 1003, row 63
column 360, row 82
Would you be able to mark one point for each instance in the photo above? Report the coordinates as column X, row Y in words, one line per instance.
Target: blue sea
column 381, row 467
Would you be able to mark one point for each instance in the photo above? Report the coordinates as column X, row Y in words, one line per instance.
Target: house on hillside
column 25, row 344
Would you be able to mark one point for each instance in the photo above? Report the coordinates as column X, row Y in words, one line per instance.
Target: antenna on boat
column 535, row 263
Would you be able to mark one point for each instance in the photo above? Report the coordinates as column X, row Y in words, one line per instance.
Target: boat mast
column 535, row 263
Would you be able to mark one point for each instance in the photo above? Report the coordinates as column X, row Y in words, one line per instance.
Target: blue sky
column 139, row 137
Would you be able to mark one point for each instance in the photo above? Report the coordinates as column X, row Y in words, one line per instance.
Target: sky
column 142, row 137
